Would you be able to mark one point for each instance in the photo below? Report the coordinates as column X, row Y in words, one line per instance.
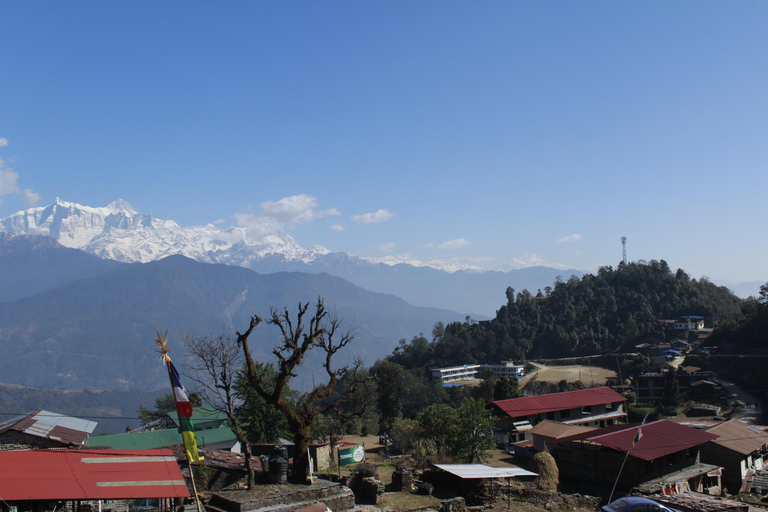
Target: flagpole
column 634, row 442
column 610, row 499
column 162, row 341
column 194, row 487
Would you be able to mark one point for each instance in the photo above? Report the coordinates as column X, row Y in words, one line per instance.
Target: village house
column 650, row 386
column 549, row 431
column 738, row 448
column 44, row 429
column 595, row 407
column 74, row 479
column 660, row 453
column 221, row 438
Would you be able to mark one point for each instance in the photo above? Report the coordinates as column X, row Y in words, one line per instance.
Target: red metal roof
column 658, row 439
column 89, row 475
column 529, row 405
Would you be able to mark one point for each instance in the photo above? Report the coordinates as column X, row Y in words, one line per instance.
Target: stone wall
column 13, row 440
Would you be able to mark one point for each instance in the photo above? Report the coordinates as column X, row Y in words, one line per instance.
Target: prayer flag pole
column 183, row 408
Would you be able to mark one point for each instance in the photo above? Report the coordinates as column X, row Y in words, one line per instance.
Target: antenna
column 624, row 250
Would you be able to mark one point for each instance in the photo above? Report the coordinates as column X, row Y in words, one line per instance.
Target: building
column 550, row 431
column 738, row 448
column 594, row 407
column 205, row 417
column 689, row 323
column 221, row 438
column 661, row 453
column 473, row 371
column 44, row 429
column 47, row 479
column 650, row 386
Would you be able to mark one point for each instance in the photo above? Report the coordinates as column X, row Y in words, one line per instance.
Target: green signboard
column 351, row 455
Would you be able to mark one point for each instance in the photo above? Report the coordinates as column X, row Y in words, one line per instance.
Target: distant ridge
column 118, row 232
column 97, row 333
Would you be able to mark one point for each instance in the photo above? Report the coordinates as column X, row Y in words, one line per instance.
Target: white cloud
column 9, row 181
column 276, row 216
column 429, row 245
column 532, row 260
column 373, row 218
column 337, row 227
column 257, row 226
column 568, row 239
column 31, row 198
column 293, row 210
column 455, row 244
column 386, row 247
column 219, row 221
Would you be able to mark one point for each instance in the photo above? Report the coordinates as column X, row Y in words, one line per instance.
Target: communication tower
column 624, row 249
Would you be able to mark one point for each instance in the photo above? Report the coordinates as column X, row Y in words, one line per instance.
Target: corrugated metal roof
column 473, row 471
column 658, row 439
column 159, row 439
column 51, row 425
column 737, row 436
column 202, row 414
column 556, row 429
column 526, row 406
column 89, row 475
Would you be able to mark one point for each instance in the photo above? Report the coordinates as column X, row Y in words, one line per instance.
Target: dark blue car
column 636, row 504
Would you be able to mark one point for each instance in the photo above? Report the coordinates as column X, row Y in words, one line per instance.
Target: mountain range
column 118, row 232
column 97, row 332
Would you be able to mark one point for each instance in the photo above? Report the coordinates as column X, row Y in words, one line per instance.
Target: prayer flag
column 184, row 408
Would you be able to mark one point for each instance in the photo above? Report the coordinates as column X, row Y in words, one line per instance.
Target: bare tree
column 321, row 332
column 214, row 365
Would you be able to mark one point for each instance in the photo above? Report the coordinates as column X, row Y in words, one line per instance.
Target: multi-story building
column 595, row 407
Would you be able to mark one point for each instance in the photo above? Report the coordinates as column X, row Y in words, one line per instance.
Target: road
column 752, row 415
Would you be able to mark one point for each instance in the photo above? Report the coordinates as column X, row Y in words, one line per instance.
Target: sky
column 498, row 133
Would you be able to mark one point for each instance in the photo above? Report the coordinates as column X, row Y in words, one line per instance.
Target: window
column 565, row 414
column 609, row 407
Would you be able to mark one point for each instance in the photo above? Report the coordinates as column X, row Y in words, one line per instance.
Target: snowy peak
column 119, row 232
column 121, row 206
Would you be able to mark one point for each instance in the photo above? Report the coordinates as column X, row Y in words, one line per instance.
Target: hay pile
column 549, row 476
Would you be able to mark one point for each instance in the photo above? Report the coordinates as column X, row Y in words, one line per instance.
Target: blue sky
column 502, row 133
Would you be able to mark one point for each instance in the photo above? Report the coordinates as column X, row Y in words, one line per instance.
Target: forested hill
column 612, row 310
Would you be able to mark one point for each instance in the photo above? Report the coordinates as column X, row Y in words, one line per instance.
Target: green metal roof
column 204, row 415
column 158, row 439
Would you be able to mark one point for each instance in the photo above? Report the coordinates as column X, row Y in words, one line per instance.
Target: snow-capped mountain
column 118, row 232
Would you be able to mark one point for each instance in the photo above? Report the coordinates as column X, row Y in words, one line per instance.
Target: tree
column 485, row 390
column 390, row 391
column 213, row 364
column 671, row 397
column 321, row 332
column 262, row 422
column 437, row 422
column 472, row 434
column 506, row 388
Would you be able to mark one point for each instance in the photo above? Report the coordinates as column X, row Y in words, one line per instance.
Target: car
column 636, row 504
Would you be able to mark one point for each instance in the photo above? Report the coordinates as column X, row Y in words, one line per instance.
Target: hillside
column 33, row 264
column 611, row 310
column 97, row 333
column 112, row 410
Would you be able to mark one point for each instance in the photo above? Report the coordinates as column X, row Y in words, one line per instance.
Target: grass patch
column 402, row 501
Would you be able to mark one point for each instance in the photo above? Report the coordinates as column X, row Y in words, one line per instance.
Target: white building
column 473, row 371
